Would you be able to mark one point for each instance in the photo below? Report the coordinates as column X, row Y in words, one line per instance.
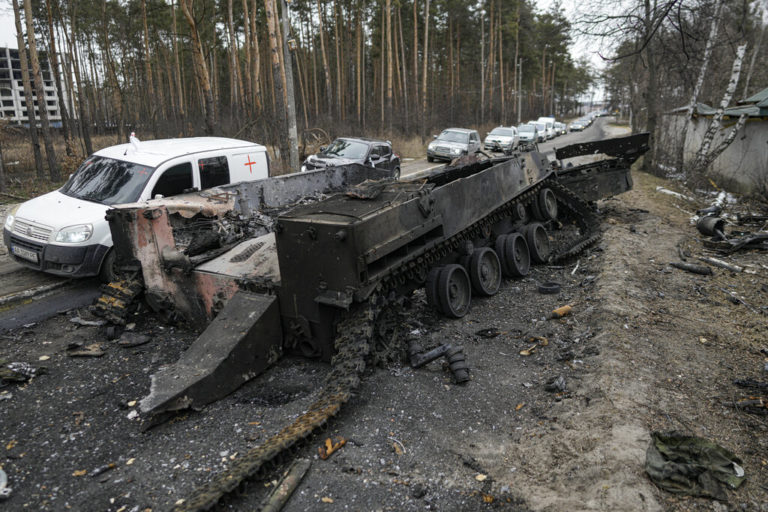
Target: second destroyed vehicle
column 64, row 232
column 502, row 138
column 356, row 150
column 453, row 143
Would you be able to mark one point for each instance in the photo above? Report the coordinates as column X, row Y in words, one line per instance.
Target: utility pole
column 519, row 89
column 293, row 138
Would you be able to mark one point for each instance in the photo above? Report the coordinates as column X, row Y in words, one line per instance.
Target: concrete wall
column 743, row 166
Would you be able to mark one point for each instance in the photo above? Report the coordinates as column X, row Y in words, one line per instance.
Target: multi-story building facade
column 13, row 105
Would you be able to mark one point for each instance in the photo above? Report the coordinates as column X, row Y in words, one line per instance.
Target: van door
column 174, row 180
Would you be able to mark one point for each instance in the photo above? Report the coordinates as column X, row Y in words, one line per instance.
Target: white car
column 65, row 232
column 502, row 138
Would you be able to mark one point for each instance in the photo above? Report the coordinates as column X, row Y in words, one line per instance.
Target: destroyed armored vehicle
column 309, row 262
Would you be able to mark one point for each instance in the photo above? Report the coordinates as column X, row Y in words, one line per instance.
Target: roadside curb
column 13, row 298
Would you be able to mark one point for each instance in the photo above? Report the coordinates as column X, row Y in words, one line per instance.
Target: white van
column 65, row 233
column 549, row 122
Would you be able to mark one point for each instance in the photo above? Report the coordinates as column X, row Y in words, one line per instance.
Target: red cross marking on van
column 250, row 164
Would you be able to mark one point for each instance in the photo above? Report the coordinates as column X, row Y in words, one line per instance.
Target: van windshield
column 107, row 181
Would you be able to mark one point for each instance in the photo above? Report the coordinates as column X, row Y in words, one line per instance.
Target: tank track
column 353, row 343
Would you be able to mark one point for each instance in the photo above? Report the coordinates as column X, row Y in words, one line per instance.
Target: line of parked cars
column 583, row 122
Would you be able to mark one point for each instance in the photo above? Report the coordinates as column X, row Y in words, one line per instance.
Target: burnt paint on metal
column 628, row 148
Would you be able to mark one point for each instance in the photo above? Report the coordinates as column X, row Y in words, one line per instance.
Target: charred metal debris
column 295, row 264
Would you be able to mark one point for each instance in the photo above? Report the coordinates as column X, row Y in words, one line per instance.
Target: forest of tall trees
column 188, row 67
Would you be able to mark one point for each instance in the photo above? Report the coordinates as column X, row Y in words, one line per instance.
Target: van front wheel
column 108, row 272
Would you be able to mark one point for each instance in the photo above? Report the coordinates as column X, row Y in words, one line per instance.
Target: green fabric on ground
column 691, row 465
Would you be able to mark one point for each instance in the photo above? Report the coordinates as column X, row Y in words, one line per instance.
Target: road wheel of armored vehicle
column 546, row 205
column 485, row 271
column 538, row 242
column 518, row 256
column 521, row 213
column 430, row 287
column 454, row 291
column 512, row 250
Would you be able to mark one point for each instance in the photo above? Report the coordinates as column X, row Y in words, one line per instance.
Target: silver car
column 502, row 138
column 453, row 143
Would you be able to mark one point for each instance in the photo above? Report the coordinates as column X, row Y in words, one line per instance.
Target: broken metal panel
column 250, row 259
column 598, row 180
column 628, row 148
column 242, row 342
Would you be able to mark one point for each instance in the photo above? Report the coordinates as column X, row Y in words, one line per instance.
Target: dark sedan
column 349, row 150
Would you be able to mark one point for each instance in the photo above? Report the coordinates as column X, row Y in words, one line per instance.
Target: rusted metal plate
column 251, row 258
column 242, row 341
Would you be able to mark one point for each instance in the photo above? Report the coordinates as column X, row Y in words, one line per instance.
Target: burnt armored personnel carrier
column 308, row 262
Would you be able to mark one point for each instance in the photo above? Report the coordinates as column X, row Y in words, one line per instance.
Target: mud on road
column 647, row 347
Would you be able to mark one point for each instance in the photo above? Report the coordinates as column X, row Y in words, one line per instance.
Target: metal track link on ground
column 116, row 299
column 585, row 218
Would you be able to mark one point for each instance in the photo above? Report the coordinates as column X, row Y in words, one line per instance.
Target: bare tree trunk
column 256, row 65
column 339, row 83
column 3, row 186
column 179, row 87
column 248, row 98
column 201, row 69
column 652, row 93
column 415, row 55
column 406, row 112
column 290, row 96
column 388, row 19
column 699, row 82
column 359, row 69
column 727, row 141
column 50, row 153
column 28, row 99
column 279, row 113
column 53, row 61
column 755, row 53
column 149, row 97
column 74, row 58
column 482, row 68
column 424, row 74
column 326, row 69
column 702, row 155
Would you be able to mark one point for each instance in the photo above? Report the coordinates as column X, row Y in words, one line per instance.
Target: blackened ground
column 631, row 355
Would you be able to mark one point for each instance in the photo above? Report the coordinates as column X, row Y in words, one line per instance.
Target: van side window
column 213, row 171
column 384, row 151
column 174, row 180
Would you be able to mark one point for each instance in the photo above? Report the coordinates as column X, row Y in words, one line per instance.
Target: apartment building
column 13, row 105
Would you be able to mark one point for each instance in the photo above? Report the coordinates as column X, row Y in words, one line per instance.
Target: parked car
column 502, row 138
column 452, row 143
column 549, row 123
column 356, row 150
column 64, row 232
column 543, row 134
column 576, row 126
column 528, row 136
column 560, row 128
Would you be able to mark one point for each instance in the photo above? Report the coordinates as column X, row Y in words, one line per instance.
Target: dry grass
column 19, row 160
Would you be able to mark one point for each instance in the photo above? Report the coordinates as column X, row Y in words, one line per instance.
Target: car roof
column 461, row 130
column 365, row 139
column 154, row 152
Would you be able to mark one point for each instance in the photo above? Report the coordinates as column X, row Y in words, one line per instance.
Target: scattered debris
column 282, row 492
column 92, row 350
column 481, row 477
column 19, row 371
column 88, row 323
column 454, row 355
column 419, row 359
column 103, row 469
column 561, row 312
column 130, row 340
column 556, row 384
column 541, row 341
column 722, row 264
column 330, row 446
column 753, row 405
column 397, row 446
column 673, row 193
column 751, row 383
column 491, row 332
column 692, row 466
column 549, row 288
column 79, row 472
column 693, row 268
